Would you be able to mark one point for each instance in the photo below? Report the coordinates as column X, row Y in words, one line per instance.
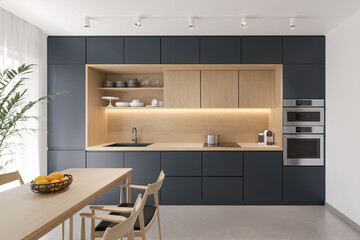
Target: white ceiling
column 169, row 17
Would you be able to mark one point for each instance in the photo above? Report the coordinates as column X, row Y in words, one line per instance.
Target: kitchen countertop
column 187, row 147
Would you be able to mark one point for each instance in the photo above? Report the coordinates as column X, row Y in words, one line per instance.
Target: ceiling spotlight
column 191, row 23
column 138, row 21
column 292, row 24
column 87, row 22
column 244, row 22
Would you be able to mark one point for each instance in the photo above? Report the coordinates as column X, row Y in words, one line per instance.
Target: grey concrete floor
column 243, row 222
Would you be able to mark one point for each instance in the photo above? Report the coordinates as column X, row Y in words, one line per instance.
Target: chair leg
column 92, row 227
column 63, row 231
column 132, row 234
column 158, row 220
column 71, row 228
column 82, row 228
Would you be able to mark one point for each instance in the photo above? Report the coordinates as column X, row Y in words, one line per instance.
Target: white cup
column 161, row 103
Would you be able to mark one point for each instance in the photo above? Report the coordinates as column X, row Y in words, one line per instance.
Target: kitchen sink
column 129, row 145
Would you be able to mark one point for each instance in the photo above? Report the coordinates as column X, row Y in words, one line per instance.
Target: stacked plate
column 133, row 83
column 120, row 84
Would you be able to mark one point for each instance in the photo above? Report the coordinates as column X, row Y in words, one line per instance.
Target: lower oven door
column 303, row 150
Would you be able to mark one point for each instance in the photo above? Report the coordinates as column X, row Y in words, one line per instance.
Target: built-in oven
column 303, row 132
column 303, row 146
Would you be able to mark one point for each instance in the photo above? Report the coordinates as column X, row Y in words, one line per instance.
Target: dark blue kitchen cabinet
column 66, row 112
column 106, row 160
column 217, row 190
column 146, row 169
column 220, row 50
column 261, row 50
column 304, row 81
column 222, row 164
column 105, row 50
column 263, row 176
column 66, row 50
column 177, row 50
column 304, row 185
column 181, row 164
column 61, row 160
column 181, row 190
column 142, row 50
column 304, row 49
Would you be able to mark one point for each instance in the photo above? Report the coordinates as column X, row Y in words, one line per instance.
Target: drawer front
column 222, row 189
column 181, row 190
column 222, row 164
column 181, row 163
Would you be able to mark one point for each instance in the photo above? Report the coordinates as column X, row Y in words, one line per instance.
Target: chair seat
column 149, row 212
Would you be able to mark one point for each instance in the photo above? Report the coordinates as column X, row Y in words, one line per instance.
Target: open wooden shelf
column 132, row 89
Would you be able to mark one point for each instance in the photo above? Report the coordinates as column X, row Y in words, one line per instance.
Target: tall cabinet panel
column 304, row 49
column 66, row 112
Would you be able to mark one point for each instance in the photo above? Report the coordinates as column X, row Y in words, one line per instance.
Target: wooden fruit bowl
column 52, row 187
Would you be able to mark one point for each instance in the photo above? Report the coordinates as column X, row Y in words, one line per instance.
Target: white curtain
column 21, row 42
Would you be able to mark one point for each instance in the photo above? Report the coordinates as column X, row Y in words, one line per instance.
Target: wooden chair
column 124, row 226
column 147, row 213
column 10, row 177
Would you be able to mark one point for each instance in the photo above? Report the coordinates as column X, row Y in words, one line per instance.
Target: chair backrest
column 155, row 187
column 10, row 177
column 123, row 228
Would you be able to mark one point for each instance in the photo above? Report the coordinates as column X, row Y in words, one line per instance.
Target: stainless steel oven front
column 303, row 149
column 303, row 116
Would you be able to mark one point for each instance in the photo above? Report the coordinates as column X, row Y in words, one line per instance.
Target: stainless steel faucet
column 134, row 135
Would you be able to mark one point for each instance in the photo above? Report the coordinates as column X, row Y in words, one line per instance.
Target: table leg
column 71, row 228
column 128, row 190
column 63, row 231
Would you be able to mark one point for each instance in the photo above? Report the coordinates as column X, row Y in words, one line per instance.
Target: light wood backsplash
column 186, row 125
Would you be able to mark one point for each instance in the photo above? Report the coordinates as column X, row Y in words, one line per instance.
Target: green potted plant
column 14, row 109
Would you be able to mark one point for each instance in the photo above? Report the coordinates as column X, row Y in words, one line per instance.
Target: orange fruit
column 65, row 182
column 53, row 185
column 43, row 182
column 40, row 177
column 55, row 175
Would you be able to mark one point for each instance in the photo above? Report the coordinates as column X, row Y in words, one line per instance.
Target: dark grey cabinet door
column 304, row 184
column 261, row 50
column 181, row 190
column 142, row 50
column 181, row 164
column 304, row 49
column 222, row 164
column 105, row 50
column 106, row 160
column 61, row 160
column 304, row 81
column 66, row 50
column 179, row 50
column 66, row 112
column 222, row 189
column 220, row 50
column 146, row 169
column 263, row 176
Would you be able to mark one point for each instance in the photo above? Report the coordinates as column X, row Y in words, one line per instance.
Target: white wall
column 343, row 117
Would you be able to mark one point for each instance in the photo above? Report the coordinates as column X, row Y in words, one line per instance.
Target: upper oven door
column 303, row 150
column 303, row 116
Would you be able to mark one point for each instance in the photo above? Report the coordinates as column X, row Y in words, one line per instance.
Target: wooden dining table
column 28, row 215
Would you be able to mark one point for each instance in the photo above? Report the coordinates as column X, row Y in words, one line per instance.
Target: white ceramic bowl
column 136, row 104
column 122, row 104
